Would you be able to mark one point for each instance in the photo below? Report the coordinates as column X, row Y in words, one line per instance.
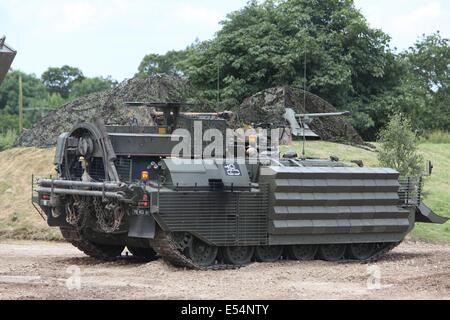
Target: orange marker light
column 145, row 176
column 162, row 130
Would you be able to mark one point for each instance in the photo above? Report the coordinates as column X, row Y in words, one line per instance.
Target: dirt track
column 39, row 270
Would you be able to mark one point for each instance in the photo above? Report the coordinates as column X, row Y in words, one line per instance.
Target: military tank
column 122, row 186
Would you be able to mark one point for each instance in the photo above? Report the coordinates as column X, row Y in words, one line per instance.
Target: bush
column 399, row 148
column 7, row 139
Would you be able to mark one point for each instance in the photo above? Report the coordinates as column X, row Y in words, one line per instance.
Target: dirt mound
column 270, row 104
column 109, row 106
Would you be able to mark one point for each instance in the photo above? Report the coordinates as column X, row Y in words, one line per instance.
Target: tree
column 399, row 148
column 9, row 91
column 91, row 85
column 430, row 60
column 265, row 44
column 169, row 63
column 61, row 80
column 418, row 87
column 36, row 100
column 428, row 71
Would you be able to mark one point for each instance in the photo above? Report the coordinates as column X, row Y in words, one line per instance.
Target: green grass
column 437, row 187
column 19, row 226
column 440, row 137
column 437, row 191
column 7, row 139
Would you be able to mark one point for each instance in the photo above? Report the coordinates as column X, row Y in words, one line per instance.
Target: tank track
column 386, row 248
column 171, row 252
column 78, row 241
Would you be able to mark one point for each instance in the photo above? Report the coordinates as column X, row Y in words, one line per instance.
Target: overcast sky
column 110, row 37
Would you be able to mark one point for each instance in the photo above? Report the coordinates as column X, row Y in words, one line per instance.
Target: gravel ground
column 41, row 270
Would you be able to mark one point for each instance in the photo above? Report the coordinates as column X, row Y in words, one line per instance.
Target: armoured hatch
column 206, row 173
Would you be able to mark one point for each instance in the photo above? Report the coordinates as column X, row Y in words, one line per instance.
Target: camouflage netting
column 269, row 105
column 109, row 106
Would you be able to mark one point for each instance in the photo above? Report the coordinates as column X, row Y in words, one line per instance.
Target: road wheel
column 332, row 252
column 361, row 251
column 268, row 253
column 238, row 256
column 201, row 253
column 303, row 252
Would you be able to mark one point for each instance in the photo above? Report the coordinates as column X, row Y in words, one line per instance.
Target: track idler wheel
column 361, row 251
column 303, row 252
column 268, row 253
column 238, row 256
column 332, row 252
column 147, row 254
column 201, row 253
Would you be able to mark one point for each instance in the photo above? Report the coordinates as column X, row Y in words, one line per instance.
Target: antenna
column 20, row 104
column 218, row 82
column 304, row 105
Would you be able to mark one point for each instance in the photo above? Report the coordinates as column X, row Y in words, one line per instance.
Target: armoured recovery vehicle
column 121, row 186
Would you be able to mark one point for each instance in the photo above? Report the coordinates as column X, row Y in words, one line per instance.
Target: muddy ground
column 41, row 270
